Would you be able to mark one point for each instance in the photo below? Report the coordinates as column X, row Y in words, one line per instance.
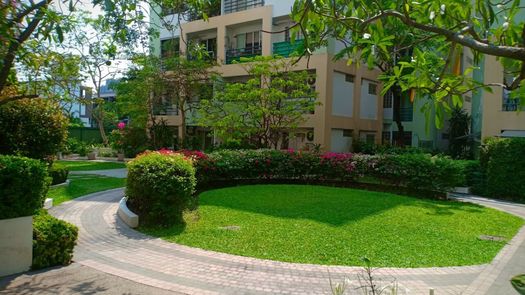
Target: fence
column 90, row 135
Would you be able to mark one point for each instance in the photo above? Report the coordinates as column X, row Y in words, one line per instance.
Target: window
column 210, row 45
column 169, row 47
column 349, row 78
column 231, row 6
column 388, row 100
column 468, row 98
column 347, row 132
column 287, row 34
column 407, row 137
column 372, row 88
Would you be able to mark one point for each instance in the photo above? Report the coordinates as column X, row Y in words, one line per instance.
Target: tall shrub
column 23, row 185
column 503, row 161
column 160, row 186
column 35, row 128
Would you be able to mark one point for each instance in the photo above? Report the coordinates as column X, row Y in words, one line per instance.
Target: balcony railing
column 231, row 6
column 406, row 114
column 287, row 48
column 236, row 54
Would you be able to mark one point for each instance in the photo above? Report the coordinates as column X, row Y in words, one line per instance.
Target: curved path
column 107, row 244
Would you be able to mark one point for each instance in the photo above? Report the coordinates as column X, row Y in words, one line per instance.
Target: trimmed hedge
column 53, row 241
column 503, row 163
column 58, row 173
column 160, row 186
column 23, row 185
column 413, row 171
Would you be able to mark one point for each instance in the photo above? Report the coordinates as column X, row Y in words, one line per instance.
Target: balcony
column 231, row 6
column 287, row 48
column 248, row 52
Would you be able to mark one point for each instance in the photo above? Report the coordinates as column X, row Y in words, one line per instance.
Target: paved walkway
column 509, row 262
column 74, row 279
column 117, row 173
column 107, row 245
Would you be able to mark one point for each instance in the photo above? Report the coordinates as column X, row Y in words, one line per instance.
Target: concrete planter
column 129, row 218
column 120, row 157
column 16, row 245
column 92, row 156
column 462, row 190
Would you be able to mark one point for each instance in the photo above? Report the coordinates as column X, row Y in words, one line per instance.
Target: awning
column 512, row 133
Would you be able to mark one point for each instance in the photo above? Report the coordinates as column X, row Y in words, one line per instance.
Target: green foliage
column 502, row 161
column 53, row 241
column 420, row 171
column 459, row 128
column 162, row 135
column 160, row 187
column 58, row 173
column 23, row 185
column 274, row 101
column 337, row 226
column 134, row 141
column 518, row 282
column 33, row 128
column 418, row 44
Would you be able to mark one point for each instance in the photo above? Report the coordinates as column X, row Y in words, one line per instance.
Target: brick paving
column 107, row 244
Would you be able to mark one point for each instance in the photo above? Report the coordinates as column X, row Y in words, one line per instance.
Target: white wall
column 339, row 143
column 173, row 20
column 343, row 96
column 368, row 109
column 280, row 7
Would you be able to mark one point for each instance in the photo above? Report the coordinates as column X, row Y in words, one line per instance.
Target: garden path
column 107, row 244
column 117, row 173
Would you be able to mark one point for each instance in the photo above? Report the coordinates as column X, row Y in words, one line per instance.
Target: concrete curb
column 129, row 218
column 66, row 183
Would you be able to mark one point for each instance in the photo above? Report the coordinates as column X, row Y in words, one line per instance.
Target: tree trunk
column 396, row 92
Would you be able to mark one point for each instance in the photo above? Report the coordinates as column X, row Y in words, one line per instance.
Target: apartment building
column 351, row 106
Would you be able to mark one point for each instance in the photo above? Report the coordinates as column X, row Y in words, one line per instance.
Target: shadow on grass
column 331, row 205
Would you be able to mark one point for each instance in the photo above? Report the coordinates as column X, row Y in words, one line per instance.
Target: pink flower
column 121, row 125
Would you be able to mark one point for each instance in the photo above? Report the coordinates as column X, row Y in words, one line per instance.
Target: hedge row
column 413, row 171
column 58, row 173
column 503, row 167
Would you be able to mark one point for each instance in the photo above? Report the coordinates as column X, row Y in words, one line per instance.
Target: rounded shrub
column 34, row 128
column 53, row 241
column 23, row 185
column 58, row 173
column 160, row 186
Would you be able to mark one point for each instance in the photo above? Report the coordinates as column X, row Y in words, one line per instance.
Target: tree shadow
column 330, row 205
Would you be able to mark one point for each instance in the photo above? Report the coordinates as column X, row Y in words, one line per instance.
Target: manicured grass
column 91, row 165
column 338, row 226
column 81, row 185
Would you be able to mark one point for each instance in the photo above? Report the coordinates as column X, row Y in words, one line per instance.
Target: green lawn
column 91, row 165
column 81, row 185
column 338, row 226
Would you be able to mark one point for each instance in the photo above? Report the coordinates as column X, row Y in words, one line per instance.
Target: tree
column 153, row 83
column 487, row 28
column 273, row 102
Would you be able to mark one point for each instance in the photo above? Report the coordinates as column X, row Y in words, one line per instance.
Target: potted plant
column 92, row 154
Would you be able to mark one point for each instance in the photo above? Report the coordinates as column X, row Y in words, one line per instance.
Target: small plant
column 518, row 282
column 53, row 241
column 368, row 284
column 58, row 173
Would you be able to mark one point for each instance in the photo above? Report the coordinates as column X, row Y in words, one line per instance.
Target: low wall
column 16, row 245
